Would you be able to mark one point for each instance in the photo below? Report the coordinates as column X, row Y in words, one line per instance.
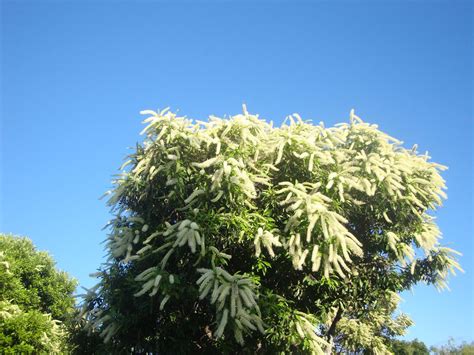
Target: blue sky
column 75, row 75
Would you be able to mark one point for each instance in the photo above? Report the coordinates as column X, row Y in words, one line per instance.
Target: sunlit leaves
column 36, row 301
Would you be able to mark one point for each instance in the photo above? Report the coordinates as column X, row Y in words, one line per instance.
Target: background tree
column 35, row 299
column 451, row 348
column 413, row 347
column 236, row 236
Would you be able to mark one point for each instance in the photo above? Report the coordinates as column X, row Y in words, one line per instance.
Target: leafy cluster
column 413, row 347
column 373, row 329
column 35, row 299
column 234, row 234
column 451, row 348
column 417, row 347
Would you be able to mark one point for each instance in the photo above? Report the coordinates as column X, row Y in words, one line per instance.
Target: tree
column 413, row 347
column 451, row 348
column 236, row 236
column 35, row 299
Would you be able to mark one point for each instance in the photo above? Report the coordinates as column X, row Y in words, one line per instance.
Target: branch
column 332, row 328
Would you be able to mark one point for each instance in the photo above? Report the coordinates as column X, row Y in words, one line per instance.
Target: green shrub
column 35, row 299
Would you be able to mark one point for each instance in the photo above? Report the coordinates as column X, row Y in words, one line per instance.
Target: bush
column 35, row 299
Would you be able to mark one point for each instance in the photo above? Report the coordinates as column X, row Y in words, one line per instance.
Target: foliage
column 413, row 347
column 373, row 329
column 451, row 348
column 236, row 236
column 35, row 299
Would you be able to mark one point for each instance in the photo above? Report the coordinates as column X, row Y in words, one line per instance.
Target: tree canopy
column 413, row 347
column 417, row 347
column 234, row 235
column 35, row 299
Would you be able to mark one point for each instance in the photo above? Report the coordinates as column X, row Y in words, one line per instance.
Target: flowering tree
column 233, row 235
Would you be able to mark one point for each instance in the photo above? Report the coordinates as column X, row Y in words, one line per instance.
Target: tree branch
column 332, row 328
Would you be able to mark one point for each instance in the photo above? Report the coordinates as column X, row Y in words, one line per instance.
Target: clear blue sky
column 74, row 77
